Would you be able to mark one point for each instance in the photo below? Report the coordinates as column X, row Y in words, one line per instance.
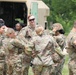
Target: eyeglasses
column 31, row 19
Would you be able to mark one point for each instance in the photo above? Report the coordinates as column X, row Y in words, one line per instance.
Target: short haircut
column 21, row 24
column 9, row 31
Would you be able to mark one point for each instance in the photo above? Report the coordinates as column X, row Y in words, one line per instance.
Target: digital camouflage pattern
column 25, row 36
column 71, row 49
column 2, row 57
column 13, row 60
column 58, row 56
column 27, row 57
column 27, row 31
column 58, row 59
column 43, row 44
column 43, row 70
column 1, row 40
column 42, row 63
column 60, row 39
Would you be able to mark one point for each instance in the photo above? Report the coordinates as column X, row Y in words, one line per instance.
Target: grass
column 30, row 71
column 65, row 68
column 64, row 71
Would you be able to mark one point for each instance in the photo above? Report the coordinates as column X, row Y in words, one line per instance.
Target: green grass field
column 64, row 71
column 65, row 68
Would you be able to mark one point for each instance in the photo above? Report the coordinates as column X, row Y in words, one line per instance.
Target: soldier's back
column 69, row 42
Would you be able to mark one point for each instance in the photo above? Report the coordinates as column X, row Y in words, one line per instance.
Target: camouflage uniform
column 13, row 60
column 58, row 56
column 2, row 57
column 60, row 39
column 27, row 30
column 25, row 36
column 71, row 49
column 1, row 40
column 43, row 63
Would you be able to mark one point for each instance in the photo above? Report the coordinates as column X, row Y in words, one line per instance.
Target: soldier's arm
column 6, row 46
column 57, row 47
column 4, row 49
column 34, row 51
column 22, row 32
column 22, row 39
column 60, row 40
column 17, row 43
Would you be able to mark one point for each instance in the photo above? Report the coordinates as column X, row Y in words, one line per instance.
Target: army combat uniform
column 13, row 60
column 25, row 36
column 2, row 57
column 28, row 29
column 43, row 62
column 71, row 49
column 60, row 39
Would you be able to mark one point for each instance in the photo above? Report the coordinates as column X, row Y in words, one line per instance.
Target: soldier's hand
column 34, row 53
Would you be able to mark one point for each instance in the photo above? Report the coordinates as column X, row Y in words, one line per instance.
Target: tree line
column 62, row 11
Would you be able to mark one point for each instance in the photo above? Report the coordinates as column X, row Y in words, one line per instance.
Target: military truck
column 13, row 11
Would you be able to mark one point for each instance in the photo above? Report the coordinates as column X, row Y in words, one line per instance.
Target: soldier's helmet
column 57, row 26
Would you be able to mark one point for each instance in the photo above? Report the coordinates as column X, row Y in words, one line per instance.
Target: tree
column 62, row 11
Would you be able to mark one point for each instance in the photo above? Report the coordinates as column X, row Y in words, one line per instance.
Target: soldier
column 71, row 49
column 2, row 52
column 13, row 60
column 29, row 28
column 44, row 47
column 60, row 39
column 25, row 36
column 18, row 27
column 59, row 34
column 27, row 53
column 56, row 26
